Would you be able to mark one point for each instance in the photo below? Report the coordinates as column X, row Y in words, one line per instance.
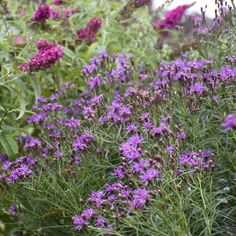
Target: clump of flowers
column 88, row 34
column 48, row 54
column 42, row 13
column 150, row 139
column 197, row 161
column 172, row 18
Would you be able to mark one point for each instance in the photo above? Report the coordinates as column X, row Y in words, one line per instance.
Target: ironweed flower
column 230, row 123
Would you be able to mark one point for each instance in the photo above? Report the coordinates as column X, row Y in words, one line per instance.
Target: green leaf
column 37, row 87
column 22, row 106
column 9, row 144
column 69, row 53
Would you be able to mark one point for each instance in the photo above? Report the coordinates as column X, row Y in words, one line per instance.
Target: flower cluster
column 197, row 160
column 150, row 140
column 88, row 34
column 42, row 13
column 45, row 12
column 18, row 170
column 172, row 18
column 48, row 54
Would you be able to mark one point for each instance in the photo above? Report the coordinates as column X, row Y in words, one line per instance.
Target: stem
column 4, row 115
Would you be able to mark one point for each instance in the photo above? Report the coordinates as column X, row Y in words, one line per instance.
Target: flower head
column 42, row 13
column 172, row 18
column 230, row 122
column 47, row 55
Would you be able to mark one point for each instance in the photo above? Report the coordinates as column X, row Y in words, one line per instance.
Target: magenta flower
column 172, row 18
column 88, row 34
column 47, row 55
column 42, row 13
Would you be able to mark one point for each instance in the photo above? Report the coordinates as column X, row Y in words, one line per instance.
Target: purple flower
column 130, row 92
column 41, row 100
column 83, row 142
column 32, row 143
column 161, row 130
column 230, row 122
column 227, row 73
column 3, row 158
column 181, row 136
column 58, row 155
column 198, row 89
column 19, row 173
column 197, row 161
column 102, row 120
column 35, row 119
column 206, row 154
column 87, row 214
column 96, row 101
column 125, row 193
column 119, row 172
column 169, row 150
column 94, row 83
column 97, row 198
column 100, row 222
column 148, row 176
column 79, row 222
column 6, row 165
column 140, row 197
column 88, row 112
column 13, row 210
column 131, row 128
column 132, row 148
column 139, row 167
column 147, row 125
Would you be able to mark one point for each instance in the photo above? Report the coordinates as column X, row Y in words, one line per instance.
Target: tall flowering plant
column 128, row 123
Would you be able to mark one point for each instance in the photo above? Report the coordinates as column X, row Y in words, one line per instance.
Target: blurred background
column 210, row 11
